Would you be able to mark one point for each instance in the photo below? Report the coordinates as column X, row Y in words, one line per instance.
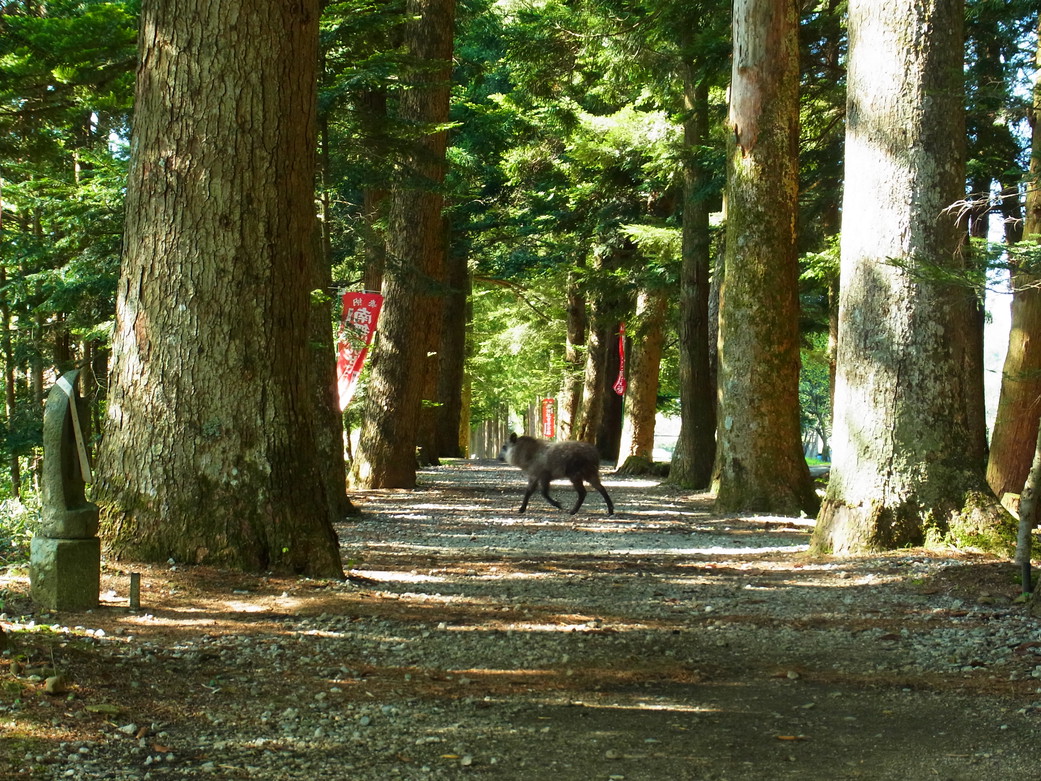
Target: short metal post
column 135, row 590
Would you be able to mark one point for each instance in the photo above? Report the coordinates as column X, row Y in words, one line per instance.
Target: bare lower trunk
column 695, row 451
column 905, row 469
column 404, row 363
column 641, row 396
column 211, row 447
column 759, row 460
column 593, row 382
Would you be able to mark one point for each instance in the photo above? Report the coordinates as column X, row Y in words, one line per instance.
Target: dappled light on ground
column 660, row 642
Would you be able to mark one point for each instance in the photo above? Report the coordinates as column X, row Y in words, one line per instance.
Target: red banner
column 357, row 327
column 549, row 418
column 620, row 384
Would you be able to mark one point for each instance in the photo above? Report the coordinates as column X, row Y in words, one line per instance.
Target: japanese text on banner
column 361, row 311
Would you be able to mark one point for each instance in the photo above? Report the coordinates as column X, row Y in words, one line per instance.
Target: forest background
column 565, row 175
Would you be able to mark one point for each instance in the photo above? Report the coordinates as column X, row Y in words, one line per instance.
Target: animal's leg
column 527, row 494
column 581, row 489
column 545, row 492
column 595, row 482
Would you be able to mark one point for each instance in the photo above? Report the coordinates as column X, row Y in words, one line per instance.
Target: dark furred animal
column 543, row 461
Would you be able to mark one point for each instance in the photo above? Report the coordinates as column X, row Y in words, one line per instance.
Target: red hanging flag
column 357, row 327
column 549, row 418
column 621, row 383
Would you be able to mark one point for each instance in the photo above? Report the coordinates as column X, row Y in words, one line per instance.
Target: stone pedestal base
column 65, row 574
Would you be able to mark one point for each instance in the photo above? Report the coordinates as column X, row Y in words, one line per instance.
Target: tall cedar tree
column 212, row 438
column 759, row 461
column 404, row 367
column 641, row 395
column 695, row 452
column 1016, row 423
column 905, row 466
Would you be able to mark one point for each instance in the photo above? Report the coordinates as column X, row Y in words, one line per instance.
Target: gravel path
column 662, row 642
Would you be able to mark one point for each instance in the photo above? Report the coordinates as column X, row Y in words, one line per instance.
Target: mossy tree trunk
column 905, row 466
column 759, row 460
column 212, row 444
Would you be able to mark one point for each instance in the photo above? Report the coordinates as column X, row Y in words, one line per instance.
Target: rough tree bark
column 905, row 468
column 404, row 361
column 592, row 408
column 759, row 460
column 695, row 451
column 211, row 447
column 641, row 396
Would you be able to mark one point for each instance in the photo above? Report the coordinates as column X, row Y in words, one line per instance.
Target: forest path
column 660, row 643
column 665, row 642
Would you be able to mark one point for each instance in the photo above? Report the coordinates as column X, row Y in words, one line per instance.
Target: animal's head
column 507, row 447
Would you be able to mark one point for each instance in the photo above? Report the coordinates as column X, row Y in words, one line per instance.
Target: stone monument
column 65, row 554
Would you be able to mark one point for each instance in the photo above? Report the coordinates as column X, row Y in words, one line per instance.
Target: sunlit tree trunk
column 759, row 460
column 641, row 396
column 592, row 407
column 905, row 468
column 1019, row 405
column 211, row 442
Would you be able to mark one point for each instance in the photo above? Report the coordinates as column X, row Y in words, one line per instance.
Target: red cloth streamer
column 357, row 327
column 620, row 384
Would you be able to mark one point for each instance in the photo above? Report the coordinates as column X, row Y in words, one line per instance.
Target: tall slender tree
column 695, row 452
column 1016, row 421
column 211, row 448
column 759, row 460
column 905, row 468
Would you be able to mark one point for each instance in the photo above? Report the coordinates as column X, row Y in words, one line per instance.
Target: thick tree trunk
column 905, row 468
column 211, row 443
column 641, row 396
column 404, row 366
column 695, row 451
column 759, row 460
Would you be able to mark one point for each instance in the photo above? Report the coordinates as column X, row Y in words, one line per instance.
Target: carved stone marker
column 65, row 555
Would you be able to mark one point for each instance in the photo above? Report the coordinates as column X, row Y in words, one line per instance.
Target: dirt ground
column 663, row 642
